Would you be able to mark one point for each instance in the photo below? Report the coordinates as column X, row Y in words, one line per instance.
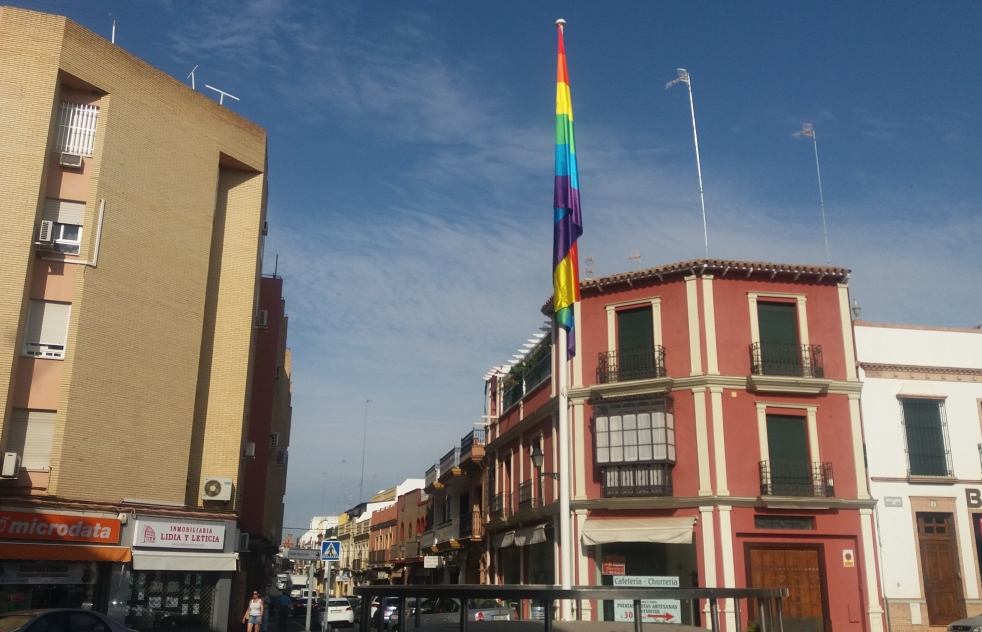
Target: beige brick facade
column 153, row 389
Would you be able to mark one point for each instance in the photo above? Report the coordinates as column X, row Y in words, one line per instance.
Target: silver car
column 444, row 612
column 971, row 624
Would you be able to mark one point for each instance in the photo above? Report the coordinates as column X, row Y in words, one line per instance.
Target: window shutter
column 926, row 445
column 63, row 211
column 787, row 439
column 31, row 435
column 778, row 323
column 634, row 329
column 47, row 329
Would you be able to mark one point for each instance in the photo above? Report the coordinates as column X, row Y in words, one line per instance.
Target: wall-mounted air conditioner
column 72, row 161
column 261, row 318
column 11, row 465
column 215, row 488
column 249, row 451
column 265, row 228
column 46, row 234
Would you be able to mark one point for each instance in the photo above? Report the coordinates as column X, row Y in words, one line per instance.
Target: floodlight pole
column 821, row 197
column 685, row 78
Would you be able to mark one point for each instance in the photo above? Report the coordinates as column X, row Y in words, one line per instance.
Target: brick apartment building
column 716, row 441
column 133, row 214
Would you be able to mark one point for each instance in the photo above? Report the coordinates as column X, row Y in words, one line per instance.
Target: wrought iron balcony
column 397, row 552
column 501, row 506
column 796, row 478
column 630, row 364
column 775, row 358
column 412, row 550
column 526, row 383
column 450, row 460
column 472, row 438
column 526, row 496
column 447, row 531
column 470, row 525
column 636, row 479
column 378, row 557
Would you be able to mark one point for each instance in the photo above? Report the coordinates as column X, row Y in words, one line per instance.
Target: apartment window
column 47, row 329
column 76, row 128
column 636, row 357
column 447, row 513
column 274, row 440
column 926, row 431
column 31, row 434
column 66, row 218
column 634, row 433
column 779, row 350
column 281, row 457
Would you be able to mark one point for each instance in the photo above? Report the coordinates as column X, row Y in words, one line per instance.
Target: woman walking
column 255, row 613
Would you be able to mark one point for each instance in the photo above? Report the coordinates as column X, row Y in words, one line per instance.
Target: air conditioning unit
column 242, row 540
column 11, row 465
column 72, row 161
column 265, row 228
column 281, row 457
column 215, row 488
column 261, row 318
column 249, row 451
column 46, row 233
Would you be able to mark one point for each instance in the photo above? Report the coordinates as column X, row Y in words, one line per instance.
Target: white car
column 339, row 613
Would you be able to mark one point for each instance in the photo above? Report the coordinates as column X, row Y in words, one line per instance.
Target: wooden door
column 942, row 584
column 799, row 569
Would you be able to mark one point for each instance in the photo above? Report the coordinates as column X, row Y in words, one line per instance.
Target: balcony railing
column 776, row 358
column 471, row 439
column 632, row 364
column 450, row 460
column 397, row 552
column 432, row 475
column 528, row 382
column 378, row 557
column 429, row 538
column 447, row 531
column 412, row 550
column 501, row 506
column 636, row 479
column 526, row 496
column 357, row 564
column 796, row 478
column 470, row 525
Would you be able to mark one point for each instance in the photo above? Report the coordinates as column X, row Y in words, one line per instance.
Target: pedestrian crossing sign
column 330, row 551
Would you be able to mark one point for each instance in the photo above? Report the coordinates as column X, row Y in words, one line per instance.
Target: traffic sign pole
column 330, row 552
column 310, row 594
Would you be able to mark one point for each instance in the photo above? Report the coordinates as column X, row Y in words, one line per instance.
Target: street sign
column 431, row 561
column 331, row 551
column 304, row 555
column 652, row 610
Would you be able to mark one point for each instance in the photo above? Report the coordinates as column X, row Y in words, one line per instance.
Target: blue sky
column 410, row 165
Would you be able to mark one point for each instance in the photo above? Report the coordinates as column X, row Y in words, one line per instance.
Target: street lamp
column 537, row 458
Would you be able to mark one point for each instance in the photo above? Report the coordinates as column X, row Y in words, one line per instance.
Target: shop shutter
column 63, row 211
column 31, row 434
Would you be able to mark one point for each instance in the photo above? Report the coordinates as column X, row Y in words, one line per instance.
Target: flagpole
column 821, row 197
column 684, row 77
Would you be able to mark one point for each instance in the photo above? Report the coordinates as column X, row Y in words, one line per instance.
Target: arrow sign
column 330, row 551
column 667, row 616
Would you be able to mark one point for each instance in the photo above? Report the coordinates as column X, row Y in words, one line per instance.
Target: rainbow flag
column 569, row 225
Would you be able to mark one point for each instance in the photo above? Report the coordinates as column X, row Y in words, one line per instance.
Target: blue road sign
column 330, row 551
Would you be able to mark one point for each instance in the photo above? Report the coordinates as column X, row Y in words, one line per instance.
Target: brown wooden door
column 800, row 571
column 942, row 584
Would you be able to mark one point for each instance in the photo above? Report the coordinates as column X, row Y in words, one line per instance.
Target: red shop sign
column 15, row 525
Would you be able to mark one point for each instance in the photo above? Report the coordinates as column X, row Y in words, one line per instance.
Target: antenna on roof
column 636, row 258
column 221, row 99
column 589, row 267
column 191, row 75
column 684, row 78
column 113, row 37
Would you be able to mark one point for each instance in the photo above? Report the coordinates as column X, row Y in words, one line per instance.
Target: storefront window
column 646, row 559
column 171, row 599
column 27, row 584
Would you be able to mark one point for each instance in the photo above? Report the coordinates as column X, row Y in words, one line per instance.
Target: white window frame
column 613, row 308
column 811, row 416
column 57, row 238
column 605, row 437
column 802, row 314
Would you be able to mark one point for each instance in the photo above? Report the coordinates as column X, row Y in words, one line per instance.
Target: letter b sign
column 974, row 498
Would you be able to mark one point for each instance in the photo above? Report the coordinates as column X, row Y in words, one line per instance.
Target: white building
column 922, row 420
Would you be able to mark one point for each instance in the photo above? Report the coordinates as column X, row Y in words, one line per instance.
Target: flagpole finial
column 560, row 23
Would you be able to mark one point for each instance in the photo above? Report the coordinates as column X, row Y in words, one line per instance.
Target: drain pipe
column 98, row 241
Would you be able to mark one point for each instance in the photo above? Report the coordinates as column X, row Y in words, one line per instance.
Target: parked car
column 968, row 624
column 59, row 620
column 380, row 617
column 355, row 602
column 445, row 612
column 339, row 612
column 300, row 603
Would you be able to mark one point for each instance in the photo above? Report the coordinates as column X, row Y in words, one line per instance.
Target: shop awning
column 64, row 552
column 664, row 530
column 182, row 561
column 504, row 539
column 530, row 535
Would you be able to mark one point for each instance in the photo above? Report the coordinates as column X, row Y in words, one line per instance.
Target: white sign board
column 304, row 555
column 652, row 610
column 431, row 561
column 29, row 572
column 156, row 534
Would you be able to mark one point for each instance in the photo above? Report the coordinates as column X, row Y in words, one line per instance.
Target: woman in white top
column 254, row 614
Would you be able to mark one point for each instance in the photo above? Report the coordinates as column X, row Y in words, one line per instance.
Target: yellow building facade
column 130, row 252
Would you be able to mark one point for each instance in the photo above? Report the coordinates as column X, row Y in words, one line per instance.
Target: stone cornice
column 913, row 372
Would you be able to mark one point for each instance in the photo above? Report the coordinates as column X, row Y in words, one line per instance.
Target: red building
column 715, row 441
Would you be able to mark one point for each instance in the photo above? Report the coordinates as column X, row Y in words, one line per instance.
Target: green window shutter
column 634, row 329
column 777, row 323
column 787, row 439
column 926, row 449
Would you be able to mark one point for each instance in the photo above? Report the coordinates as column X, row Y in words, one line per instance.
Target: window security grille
column 76, row 128
column 274, row 440
column 926, row 433
column 281, row 457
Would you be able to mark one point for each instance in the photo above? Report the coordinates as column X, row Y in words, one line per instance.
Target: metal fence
column 636, row 479
column 632, row 364
column 775, row 358
column 76, row 128
column 796, row 478
column 765, row 601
